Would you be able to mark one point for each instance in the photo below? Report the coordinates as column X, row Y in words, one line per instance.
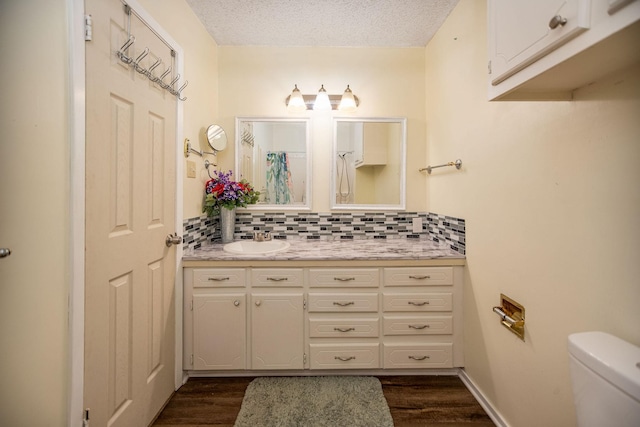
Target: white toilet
column 605, row 372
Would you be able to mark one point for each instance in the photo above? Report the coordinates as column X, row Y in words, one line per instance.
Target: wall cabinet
column 372, row 149
column 323, row 318
column 548, row 48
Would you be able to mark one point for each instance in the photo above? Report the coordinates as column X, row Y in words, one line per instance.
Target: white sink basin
column 251, row 247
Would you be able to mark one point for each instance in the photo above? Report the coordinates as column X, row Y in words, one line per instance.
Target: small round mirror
column 217, row 137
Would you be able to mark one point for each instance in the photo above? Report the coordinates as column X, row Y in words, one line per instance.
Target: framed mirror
column 274, row 155
column 369, row 164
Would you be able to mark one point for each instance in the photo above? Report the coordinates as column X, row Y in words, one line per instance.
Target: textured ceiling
column 382, row 23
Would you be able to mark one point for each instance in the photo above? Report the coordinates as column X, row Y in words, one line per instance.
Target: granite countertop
column 337, row 250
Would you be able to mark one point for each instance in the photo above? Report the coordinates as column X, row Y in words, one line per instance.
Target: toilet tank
column 605, row 375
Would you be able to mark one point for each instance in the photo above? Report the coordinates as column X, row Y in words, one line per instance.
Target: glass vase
column 227, row 224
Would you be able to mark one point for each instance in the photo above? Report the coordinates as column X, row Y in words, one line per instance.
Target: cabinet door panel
column 523, row 34
column 277, row 331
column 219, row 331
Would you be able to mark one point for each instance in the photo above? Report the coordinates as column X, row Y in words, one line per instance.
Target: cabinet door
column 219, row 331
column 521, row 33
column 277, row 327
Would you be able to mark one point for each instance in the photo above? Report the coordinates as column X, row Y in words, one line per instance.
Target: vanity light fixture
column 297, row 102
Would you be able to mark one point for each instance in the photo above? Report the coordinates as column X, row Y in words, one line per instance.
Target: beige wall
column 201, row 106
column 34, row 213
column 389, row 82
column 550, row 194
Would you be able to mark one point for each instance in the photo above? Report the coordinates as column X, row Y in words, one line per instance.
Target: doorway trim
column 76, row 122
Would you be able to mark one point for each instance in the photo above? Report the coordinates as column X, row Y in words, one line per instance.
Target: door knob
column 557, row 20
column 5, row 252
column 173, row 240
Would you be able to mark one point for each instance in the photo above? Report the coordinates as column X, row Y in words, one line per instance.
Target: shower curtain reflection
column 279, row 183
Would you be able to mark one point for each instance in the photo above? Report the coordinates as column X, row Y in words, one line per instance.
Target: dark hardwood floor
column 435, row 401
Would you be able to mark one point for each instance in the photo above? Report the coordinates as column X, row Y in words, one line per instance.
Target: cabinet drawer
column 219, row 277
column 343, row 328
column 418, row 356
column 351, row 277
column 417, row 325
column 343, row 302
column 277, row 277
column 418, row 276
column 344, row 356
column 417, row 302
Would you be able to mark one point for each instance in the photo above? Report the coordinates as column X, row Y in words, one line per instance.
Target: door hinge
column 304, row 359
column 191, row 360
column 191, row 305
column 88, row 28
column 489, row 67
column 85, row 418
column 304, row 304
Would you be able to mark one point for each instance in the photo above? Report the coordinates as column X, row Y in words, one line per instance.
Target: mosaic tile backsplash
column 312, row 225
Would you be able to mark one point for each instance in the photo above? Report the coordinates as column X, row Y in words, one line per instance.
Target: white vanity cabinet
column 323, row 316
column 545, row 49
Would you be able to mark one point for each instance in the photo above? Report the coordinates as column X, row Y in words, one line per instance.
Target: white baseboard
column 482, row 400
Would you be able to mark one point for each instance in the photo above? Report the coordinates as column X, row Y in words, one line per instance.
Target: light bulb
column 347, row 102
column 322, row 102
column 296, row 101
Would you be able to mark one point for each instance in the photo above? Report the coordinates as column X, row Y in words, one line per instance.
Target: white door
column 130, row 209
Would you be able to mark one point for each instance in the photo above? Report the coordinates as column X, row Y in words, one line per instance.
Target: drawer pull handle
column 344, row 279
column 344, row 329
column 343, row 304
column 418, row 326
column 418, row 303
column 418, row 357
column 218, row 279
column 345, row 359
column 278, row 279
column 419, row 277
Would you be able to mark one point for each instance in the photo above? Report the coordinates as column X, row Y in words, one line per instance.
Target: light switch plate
column 191, row 169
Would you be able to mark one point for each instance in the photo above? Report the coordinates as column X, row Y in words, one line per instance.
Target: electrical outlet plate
column 417, row 225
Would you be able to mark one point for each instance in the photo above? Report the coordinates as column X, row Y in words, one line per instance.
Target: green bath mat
column 314, row 401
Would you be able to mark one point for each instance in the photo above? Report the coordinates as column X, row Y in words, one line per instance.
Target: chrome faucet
column 261, row 236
